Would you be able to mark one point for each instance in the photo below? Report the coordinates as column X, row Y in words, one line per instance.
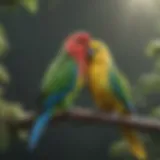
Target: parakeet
column 62, row 81
column 111, row 91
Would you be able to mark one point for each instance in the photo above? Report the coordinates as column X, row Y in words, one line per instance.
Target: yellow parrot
column 111, row 91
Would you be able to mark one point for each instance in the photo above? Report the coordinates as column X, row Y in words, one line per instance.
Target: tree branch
column 92, row 116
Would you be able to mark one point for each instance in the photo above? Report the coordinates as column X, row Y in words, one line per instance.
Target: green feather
column 58, row 76
column 120, row 86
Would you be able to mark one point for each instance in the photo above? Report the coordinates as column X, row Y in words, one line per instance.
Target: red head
column 77, row 45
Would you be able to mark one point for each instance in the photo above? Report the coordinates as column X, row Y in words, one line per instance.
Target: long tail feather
column 136, row 145
column 38, row 129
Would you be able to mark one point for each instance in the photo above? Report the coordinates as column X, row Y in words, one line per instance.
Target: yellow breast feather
column 98, row 76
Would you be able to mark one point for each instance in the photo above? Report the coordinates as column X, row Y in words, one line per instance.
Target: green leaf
column 119, row 147
column 11, row 110
column 30, row 5
column 153, row 48
column 4, row 75
column 149, row 83
column 4, row 130
column 122, row 149
column 14, row 111
column 4, row 46
column 155, row 112
column 4, row 137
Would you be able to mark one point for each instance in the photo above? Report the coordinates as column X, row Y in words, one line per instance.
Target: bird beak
column 90, row 50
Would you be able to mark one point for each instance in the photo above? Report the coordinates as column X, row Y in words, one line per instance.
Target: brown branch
column 92, row 116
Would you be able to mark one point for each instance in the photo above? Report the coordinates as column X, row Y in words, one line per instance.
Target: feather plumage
column 59, row 85
column 111, row 91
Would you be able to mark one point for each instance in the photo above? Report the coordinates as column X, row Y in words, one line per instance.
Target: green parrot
column 62, row 82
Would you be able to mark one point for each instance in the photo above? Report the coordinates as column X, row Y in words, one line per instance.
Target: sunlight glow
column 143, row 5
column 142, row 2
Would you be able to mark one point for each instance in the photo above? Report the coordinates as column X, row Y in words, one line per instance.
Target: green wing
column 121, row 88
column 59, row 78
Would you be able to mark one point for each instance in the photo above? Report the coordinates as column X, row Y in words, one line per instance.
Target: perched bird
column 62, row 82
column 111, row 91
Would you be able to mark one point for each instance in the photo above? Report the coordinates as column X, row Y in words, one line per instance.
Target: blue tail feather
column 38, row 129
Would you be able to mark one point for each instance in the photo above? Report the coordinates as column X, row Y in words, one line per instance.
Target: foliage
column 30, row 5
column 10, row 111
column 147, row 84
